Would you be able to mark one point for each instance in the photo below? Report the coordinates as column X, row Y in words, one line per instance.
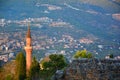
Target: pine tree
column 20, row 66
column 34, row 70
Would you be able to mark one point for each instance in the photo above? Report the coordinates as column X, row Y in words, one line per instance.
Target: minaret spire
column 28, row 32
column 28, row 49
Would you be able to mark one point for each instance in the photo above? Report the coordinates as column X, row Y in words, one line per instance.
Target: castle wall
column 93, row 69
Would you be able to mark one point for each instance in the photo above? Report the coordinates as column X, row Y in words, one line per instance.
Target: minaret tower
column 28, row 49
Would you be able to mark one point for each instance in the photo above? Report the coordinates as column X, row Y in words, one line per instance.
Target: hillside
column 61, row 26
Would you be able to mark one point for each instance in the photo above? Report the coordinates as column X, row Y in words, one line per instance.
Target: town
column 12, row 40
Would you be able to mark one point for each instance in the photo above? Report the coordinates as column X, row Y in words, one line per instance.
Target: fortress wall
column 93, row 69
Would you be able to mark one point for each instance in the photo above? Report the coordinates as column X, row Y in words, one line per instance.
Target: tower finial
column 28, row 32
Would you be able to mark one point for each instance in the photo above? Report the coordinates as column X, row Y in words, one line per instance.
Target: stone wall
column 93, row 69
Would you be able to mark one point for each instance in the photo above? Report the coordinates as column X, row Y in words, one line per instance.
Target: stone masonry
column 93, row 69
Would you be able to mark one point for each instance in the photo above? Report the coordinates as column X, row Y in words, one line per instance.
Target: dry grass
column 8, row 70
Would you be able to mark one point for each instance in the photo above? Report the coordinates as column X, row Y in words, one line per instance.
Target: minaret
column 28, row 49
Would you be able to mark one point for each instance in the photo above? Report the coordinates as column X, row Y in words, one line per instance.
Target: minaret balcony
column 28, row 47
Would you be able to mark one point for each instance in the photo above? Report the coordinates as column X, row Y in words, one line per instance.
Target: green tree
column 83, row 54
column 77, row 54
column 20, row 66
column 47, row 65
column 89, row 55
column 56, row 62
column 34, row 70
